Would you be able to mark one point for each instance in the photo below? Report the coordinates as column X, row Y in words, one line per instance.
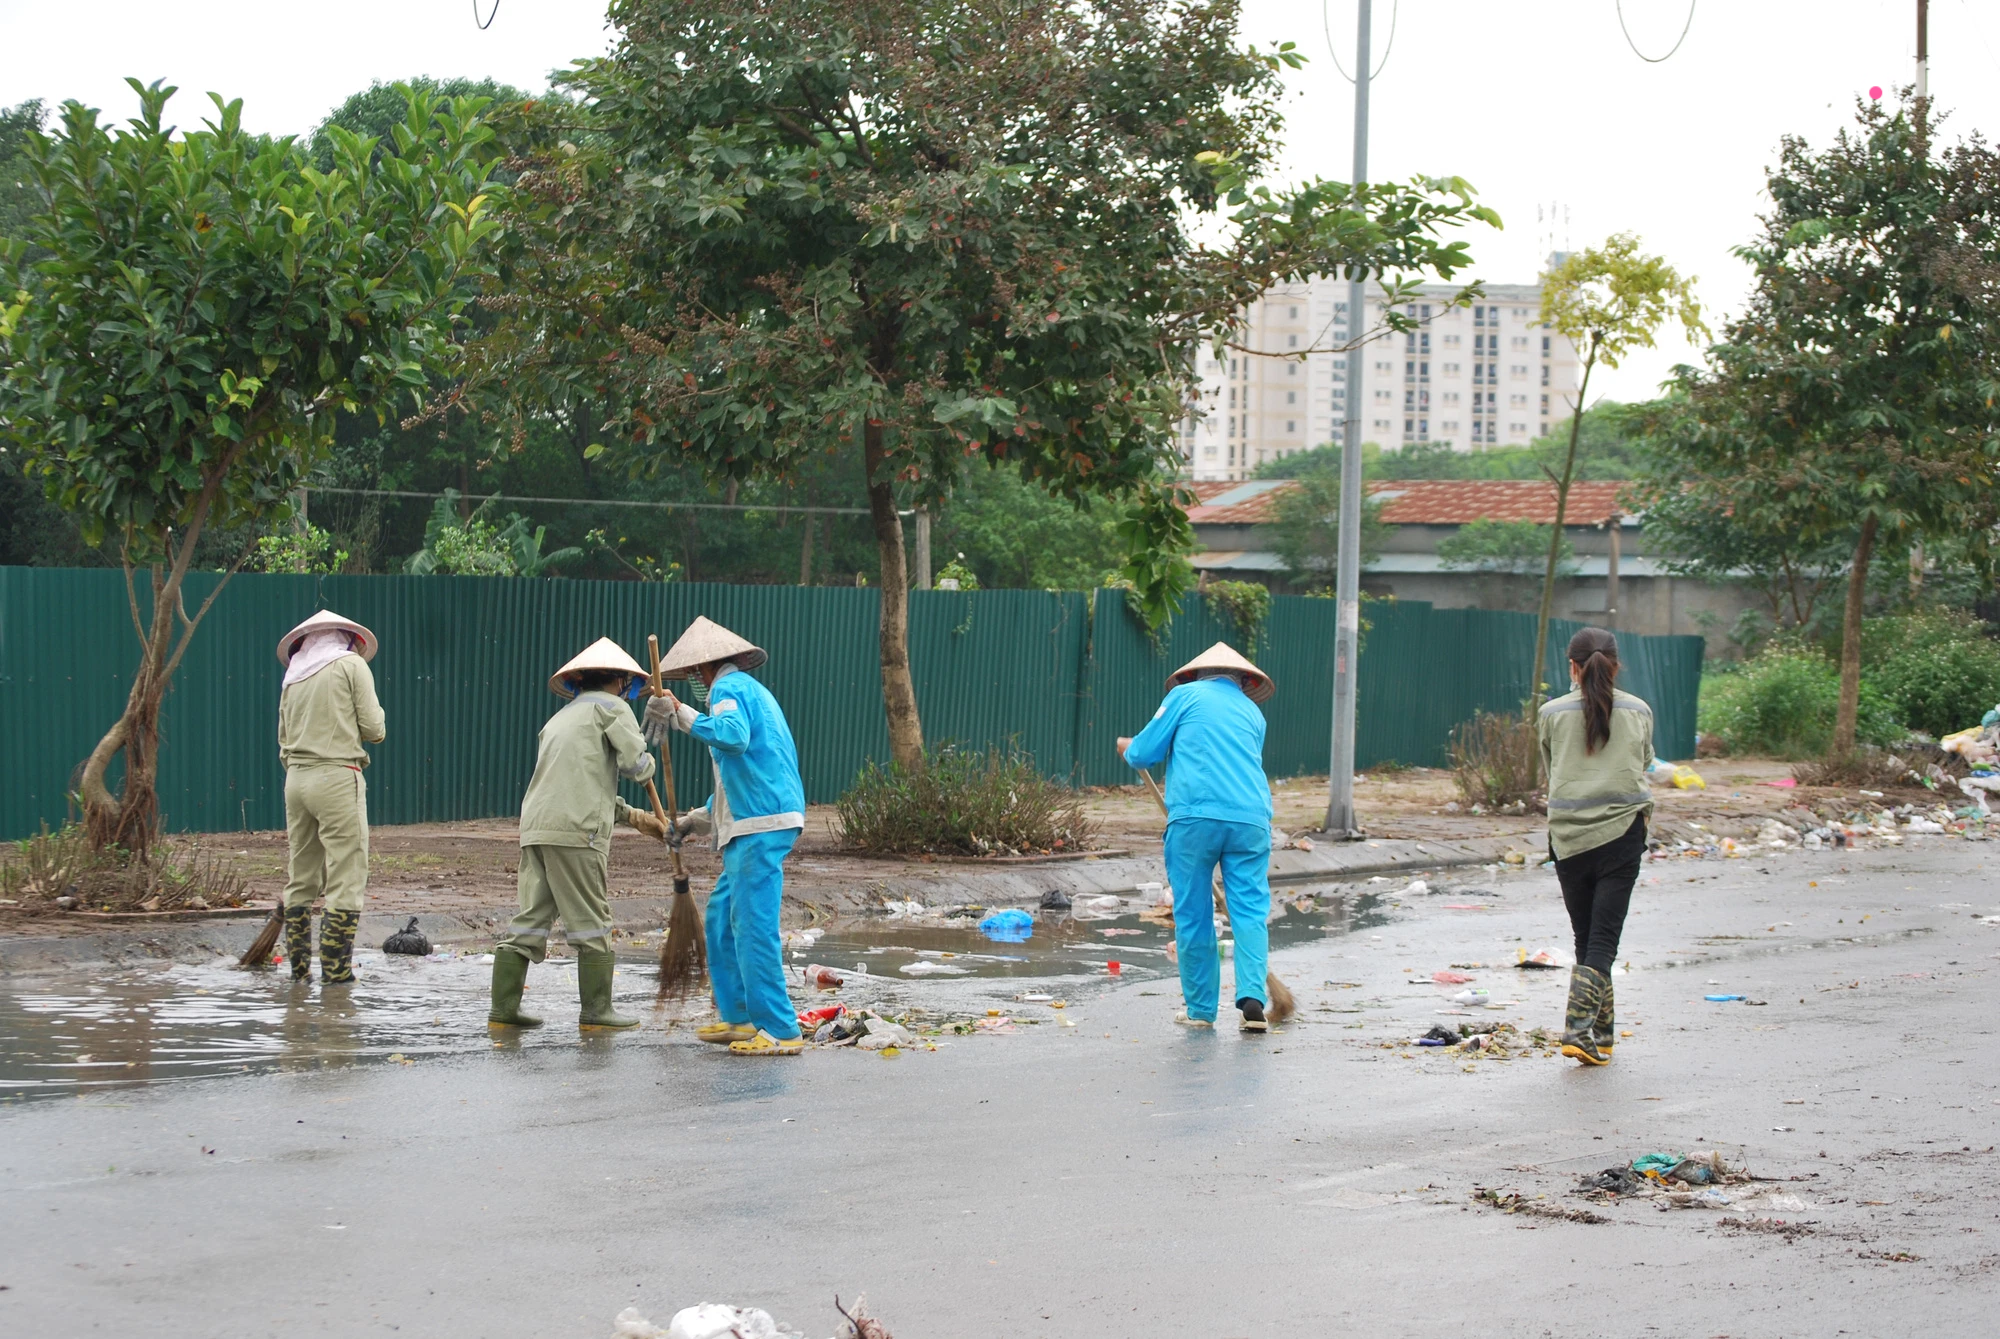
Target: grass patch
column 1782, row 703
column 963, row 803
column 60, row 871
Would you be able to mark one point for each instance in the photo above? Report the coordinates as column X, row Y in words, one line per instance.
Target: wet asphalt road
column 1116, row 1177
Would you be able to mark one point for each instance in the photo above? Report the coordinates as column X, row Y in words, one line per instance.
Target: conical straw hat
column 1223, row 656
column 325, row 621
column 602, row 654
column 705, row 642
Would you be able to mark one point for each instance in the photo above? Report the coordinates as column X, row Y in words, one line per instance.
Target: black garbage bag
column 1055, row 900
column 408, row 940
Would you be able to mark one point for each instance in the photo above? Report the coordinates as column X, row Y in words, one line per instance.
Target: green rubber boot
column 510, row 978
column 593, row 988
column 1587, row 987
column 299, row 941
column 1605, row 1033
column 336, row 947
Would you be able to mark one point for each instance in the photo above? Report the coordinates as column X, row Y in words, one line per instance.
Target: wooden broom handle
column 673, row 817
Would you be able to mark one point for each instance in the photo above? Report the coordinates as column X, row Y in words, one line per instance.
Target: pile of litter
column 1697, row 1181
column 715, row 1320
column 1493, row 1041
column 1513, row 1201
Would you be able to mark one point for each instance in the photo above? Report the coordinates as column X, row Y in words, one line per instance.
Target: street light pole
column 1340, row 821
column 1923, row 49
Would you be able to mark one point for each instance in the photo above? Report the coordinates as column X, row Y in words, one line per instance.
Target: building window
column 1292, row 397
column 1292, row 341
column 1545, row 346
column 1208, row 452
column 1292, row 369
column 1519, row 369
column 1545, row 406
column 1545, row 374
column 1291, row 425
column 1295, row 313
column 1451, row 397
column 1518, row 429
column 1451, row 369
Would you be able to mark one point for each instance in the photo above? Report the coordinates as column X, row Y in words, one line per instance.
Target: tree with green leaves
column 207, row 302
column 1853, row 400
column 947, row 234
column 1305, row 527
column 1607, row 301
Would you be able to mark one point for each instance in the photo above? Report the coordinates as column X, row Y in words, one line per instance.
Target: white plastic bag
column 713, row 1320
column 631, row 1325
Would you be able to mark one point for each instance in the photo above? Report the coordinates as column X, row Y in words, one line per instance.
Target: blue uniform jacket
column 1211, row 735
column 757, row 786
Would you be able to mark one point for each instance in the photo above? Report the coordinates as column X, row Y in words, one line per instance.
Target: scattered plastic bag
column 631, row 1325
column 1416, row 888
column 712, row 1320
column 408, row 940
column 1686, row 778
column 925, row 967
column 882, row 1034
column 895, row 908
column 1010, row 926
column 1451, row 978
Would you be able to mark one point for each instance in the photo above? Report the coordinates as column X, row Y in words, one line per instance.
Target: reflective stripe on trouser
column 1194, row 847
column 746, row 962
column 326, row 826
column 566, row 882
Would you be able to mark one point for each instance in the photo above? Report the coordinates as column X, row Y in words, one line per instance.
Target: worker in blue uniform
column 1210, row 734
column 756, row 814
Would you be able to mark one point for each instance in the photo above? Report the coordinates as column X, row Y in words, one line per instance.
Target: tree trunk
column 131, row 818
column 1555, row 555
column 899, row 694
column 1845, row 718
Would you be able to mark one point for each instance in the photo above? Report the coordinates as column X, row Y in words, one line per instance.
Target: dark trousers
column 1597, row 889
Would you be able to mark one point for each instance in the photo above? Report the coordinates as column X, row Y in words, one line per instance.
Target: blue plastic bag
column 1012, row 926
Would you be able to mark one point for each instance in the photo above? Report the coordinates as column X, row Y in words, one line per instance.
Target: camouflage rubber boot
column 336, row 947
column 299, row 941
column 1605, row 1031
column 1586, row 992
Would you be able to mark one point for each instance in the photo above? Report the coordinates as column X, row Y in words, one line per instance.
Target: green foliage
column 475, row 546
column 1247, row 606
column 1608, row 447
column 1940, row 672
column 1503, row 546
column 377, row 110
column 1305, row 526
column 1782, row 701
column 956, row 572
column 963, row 802
column 1157, row 538
column 1610, row 300
column 1015, row 533
column 308, row 554
column 19, row 199
column 209, row 298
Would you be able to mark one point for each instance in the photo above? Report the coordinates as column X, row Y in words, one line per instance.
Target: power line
column 781, row 507
column 1654, row 60
column 1394, row 10
column 491, row 15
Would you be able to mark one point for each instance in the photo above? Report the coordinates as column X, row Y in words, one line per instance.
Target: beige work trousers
column 565, row 881
column 326, row 824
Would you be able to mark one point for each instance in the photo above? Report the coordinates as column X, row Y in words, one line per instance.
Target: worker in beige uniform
column 326, row 711
column 566, row 820
column 1597, row 745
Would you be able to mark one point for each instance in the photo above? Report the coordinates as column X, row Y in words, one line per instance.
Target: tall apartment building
column 1476, row 377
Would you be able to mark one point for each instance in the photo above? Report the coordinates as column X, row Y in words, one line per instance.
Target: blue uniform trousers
column 746, row 962
column 1194, row 847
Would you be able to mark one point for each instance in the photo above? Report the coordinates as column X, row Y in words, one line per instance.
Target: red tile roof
column 1423, row 501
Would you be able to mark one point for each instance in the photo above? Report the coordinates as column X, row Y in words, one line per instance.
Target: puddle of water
column 186, row 1022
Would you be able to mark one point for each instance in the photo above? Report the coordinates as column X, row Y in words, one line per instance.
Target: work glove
column 642, row 820
column 696, row 823
column 664, row 713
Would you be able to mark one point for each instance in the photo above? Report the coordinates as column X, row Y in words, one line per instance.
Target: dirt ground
column 452, row 868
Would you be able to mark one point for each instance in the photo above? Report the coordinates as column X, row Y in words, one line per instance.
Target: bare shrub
column 963, row 803
column 1493, row 761
column 1878, row 768
column 61, row 871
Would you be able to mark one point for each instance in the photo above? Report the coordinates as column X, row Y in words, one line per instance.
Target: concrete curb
column 931, row 885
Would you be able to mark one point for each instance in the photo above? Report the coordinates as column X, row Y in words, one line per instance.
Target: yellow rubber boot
column 722, row 1034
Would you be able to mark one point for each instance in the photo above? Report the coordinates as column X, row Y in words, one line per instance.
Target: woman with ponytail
column 1597, row 744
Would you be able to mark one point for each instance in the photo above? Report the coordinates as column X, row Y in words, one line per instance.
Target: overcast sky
column 1536, row 102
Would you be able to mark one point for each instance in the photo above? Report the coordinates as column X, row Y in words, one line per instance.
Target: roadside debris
column 1009, row 926
column 823, row 978
column 1512, row 1201
column 409, row 940
column 1548, row 959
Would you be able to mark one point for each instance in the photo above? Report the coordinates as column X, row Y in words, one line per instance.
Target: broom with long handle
column 1282, row 1005
column 259, row 952
column 684, row 952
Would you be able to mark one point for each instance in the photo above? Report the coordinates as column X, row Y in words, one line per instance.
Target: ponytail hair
column 1594, row 653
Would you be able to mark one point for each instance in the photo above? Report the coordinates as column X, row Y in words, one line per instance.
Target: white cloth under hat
column 705, row 642
column 321, row 649
column 365, row 644
column 602, row 654
column 1222, row 658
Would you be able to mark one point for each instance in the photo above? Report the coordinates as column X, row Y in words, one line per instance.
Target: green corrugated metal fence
column 464, row 662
